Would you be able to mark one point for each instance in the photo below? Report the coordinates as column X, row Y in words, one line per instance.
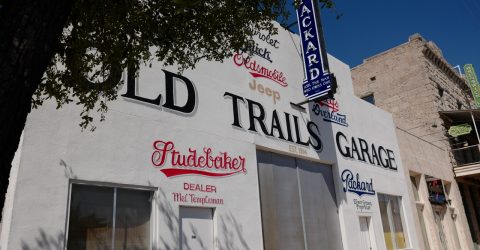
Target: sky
column 369, row 27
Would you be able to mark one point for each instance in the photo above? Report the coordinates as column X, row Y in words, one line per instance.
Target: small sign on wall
column 362, row 206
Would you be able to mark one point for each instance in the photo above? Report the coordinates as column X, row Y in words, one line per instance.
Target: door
column 365, row 233
column 298, row 202
column 196, row 227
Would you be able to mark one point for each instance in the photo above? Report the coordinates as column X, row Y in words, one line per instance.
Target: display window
column 109, row 218
column 392, row 221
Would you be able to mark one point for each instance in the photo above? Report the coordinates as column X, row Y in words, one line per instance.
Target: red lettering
column 199, row 187
column 196, row 163
column 257, row 70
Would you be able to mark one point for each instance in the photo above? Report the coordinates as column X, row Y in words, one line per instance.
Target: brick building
column 416, row 84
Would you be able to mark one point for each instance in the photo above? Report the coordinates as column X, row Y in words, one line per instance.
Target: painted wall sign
column 199, row 187
column 170, row 100
column 256, row 49
column 275, row 95
column 267, row 38
column 359, row 149
column 196, row 199
column 362, row 205
column 318, row 82
column 259, row 71
column 353, row 184
column 195, row 162
column 257, row 117
column 331, row 114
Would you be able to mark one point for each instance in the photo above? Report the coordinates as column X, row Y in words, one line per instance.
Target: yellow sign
column 462, row 129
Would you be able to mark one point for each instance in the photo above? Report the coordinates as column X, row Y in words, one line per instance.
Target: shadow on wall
column 46, row 242
column 68, row 171
column 50, row 242
column 230, row 231
column 170, row 217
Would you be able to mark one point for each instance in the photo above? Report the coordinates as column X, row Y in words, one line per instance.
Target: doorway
column 196, row 227
column 366, row 233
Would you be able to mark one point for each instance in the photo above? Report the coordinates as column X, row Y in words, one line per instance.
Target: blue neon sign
column 318, row 82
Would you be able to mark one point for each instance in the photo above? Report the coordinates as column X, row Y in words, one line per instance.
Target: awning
column 464, row 115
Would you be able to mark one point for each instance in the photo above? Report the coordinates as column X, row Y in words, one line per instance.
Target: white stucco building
column 214, row 158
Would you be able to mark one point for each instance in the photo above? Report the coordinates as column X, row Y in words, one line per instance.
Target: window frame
column 391, row 223
column 114, row 186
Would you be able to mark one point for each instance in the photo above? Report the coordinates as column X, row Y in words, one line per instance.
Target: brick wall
column 407, row 81
column 413, row 82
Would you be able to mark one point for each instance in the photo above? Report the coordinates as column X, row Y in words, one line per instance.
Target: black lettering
column 260, row 118
column 347, row 153
column 297, row 132
column 364, row 149
column 386, row 163
column 289, row 130
column 132, row 93
column 391, row 159
column 170, row 93
column 235, row 99
column 276, row 126
column 318, row 146
column 355, row 149
column 375, row 155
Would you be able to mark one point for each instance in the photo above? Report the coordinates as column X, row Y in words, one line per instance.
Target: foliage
column 103, row 37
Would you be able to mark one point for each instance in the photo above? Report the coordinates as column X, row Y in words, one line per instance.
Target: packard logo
column 352, row 183
column 331, row 114
column 258, row 71
column 195, row 162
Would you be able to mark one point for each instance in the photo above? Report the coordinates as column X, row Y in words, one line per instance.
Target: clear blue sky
column 371, row 26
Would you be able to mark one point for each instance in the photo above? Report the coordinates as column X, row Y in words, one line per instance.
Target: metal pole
column 475, row 125
column 326, row 67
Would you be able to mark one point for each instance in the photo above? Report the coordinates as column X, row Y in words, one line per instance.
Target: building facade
column 414, row 83
column 219, row 157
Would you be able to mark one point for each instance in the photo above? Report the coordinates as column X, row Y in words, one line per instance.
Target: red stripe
column 260, row 75
column 170, row 172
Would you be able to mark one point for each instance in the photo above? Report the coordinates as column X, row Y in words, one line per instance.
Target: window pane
column 383, row 203
column 397, row 221
column 91, row 214
column 132, row 225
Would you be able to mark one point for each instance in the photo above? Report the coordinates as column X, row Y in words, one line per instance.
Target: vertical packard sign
column 472, row 81
column 318, row 81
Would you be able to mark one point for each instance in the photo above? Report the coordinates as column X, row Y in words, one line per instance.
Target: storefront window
column 392, row 221
column 109, row 218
